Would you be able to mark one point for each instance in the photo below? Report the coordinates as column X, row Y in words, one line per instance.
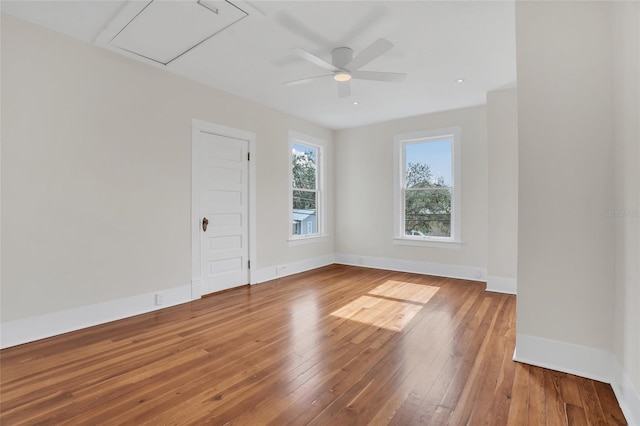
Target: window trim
column 400, row 141
column 321, row 146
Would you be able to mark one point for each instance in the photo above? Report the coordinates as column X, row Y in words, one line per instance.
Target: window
column 306, row 182
column 427, row 200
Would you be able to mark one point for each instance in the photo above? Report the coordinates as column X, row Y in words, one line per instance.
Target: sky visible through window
column 436, row 154
column 300, row 149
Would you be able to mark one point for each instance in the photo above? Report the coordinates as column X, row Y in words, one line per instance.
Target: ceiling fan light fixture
column 342, row 76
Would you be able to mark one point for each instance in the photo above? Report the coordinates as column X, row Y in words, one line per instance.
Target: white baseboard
column 269, row 273
column 42, row 326
column 499, row 284
column 627, row 395
column 582, row 361
column 439, row 269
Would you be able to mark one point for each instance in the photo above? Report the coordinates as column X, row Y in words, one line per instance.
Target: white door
column 224, row 188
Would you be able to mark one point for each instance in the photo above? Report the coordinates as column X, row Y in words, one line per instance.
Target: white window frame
column 320, row 145
column 400, row 142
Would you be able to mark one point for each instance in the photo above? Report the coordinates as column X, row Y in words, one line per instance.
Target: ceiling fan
column 345, row 66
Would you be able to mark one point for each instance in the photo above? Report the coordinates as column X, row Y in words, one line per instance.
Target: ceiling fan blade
column 344, row 89
column 379, row 76
column 313, row 59
column 305, row 80
column 379, row 47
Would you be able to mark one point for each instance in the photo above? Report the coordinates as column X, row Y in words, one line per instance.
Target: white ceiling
column 435, row 43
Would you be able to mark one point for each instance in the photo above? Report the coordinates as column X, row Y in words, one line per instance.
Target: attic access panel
column 165, row 30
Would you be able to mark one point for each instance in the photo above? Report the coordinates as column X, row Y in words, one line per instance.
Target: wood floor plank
column 576, row 415
column 499, row 411
column 336, row 345
column 519, row 407
column 570, row 390
column 591, row 402
column 554, row 403
column 537, row 397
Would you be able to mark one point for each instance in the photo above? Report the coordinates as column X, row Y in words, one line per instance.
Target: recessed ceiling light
column 355, row 102
column 460, row 80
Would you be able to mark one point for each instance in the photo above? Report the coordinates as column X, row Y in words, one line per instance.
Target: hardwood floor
column 335, row 346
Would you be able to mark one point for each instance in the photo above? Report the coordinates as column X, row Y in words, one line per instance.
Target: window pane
column 305, row 219
column 428, row 164
column 428, row 212
column 303, row 161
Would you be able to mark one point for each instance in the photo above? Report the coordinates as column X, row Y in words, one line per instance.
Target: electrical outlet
column 159, row 299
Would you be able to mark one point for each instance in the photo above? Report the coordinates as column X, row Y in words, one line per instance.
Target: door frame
column 198, row 126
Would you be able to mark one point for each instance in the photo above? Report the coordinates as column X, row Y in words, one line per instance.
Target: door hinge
column 248, row 156
column 249, row 264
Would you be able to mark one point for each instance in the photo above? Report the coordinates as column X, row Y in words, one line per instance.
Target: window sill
column 419, row 242
column 307, row 240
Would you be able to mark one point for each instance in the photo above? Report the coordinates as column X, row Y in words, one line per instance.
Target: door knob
column 205, row 222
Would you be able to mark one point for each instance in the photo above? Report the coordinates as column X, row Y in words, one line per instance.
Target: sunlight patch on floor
column 391, row 305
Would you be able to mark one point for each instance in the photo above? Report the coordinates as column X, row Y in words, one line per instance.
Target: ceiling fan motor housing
column 341, row 56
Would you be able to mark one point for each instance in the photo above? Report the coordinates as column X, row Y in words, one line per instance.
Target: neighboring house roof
column 299, row 215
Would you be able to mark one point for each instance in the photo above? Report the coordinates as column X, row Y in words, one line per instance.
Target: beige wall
column 565, row 120
column 626, row 61
column 502, row 136
column 96, row 169
column 364, row 189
